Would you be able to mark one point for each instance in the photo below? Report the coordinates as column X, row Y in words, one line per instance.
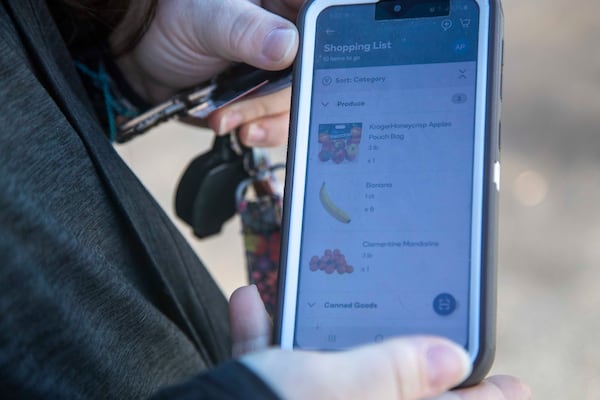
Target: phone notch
column 405, row 9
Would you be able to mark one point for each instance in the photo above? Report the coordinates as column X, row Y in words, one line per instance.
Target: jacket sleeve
column 231, row 380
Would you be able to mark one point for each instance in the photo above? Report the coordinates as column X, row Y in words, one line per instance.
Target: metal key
column 239, row 81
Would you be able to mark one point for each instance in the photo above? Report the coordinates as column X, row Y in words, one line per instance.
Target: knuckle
column 241, row 35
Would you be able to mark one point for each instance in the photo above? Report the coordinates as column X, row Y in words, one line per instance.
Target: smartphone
column 390, row 214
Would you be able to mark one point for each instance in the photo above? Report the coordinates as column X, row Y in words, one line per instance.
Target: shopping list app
column 386, row 229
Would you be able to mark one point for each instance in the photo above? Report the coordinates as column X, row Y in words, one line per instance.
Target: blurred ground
column 549, row 264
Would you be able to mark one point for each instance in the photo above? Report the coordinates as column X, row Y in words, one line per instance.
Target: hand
column 407, row 368
column 261, row 122
column 190, row 41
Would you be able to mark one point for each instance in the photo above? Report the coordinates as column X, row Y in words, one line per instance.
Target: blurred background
column 549, row 259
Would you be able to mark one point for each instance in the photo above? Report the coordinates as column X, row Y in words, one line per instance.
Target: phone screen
column 386, row 230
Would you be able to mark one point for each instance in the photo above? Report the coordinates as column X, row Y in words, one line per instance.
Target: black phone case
column 487, row 332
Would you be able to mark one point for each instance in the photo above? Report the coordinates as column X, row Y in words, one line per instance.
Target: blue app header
column 350, row 37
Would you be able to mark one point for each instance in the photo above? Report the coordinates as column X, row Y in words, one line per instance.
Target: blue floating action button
column 444, row 304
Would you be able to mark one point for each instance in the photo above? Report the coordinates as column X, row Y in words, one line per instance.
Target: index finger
column 247, row 110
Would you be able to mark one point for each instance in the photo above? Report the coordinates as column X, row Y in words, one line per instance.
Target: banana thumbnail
column 335, row 211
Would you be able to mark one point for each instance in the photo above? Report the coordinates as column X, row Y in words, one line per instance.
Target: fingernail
column 229, row 122
column 278, row 43
column 256, row 135
column 447, row 365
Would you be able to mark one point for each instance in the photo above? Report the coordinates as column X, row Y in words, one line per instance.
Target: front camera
column 408, row 9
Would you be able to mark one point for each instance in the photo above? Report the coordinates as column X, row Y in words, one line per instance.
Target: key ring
column 176, row 106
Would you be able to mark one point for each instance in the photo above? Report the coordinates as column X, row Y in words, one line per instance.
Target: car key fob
column 205, row 197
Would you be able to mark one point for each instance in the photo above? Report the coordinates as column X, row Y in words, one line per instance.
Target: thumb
column 408, row 368
column 250, row 323
column 246, row 32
